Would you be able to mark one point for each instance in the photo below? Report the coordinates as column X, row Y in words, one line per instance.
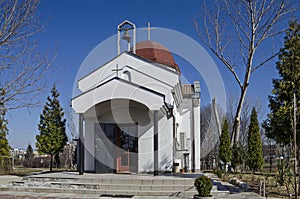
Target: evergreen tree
column 278, row 126
column 52, row 137
column 29, row 156
column 224, row 149
column 255, row 158
column 4, row 146
column 29, row 152
column 237, row 155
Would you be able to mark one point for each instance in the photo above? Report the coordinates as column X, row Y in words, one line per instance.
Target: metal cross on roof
column 148, row 29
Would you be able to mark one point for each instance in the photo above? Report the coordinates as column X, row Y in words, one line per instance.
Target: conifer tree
column 237, row 155
column 278, row 126
column 255, row 159
column 29, row 152
column 224, row 149
column 4, row 146
column 29, row 156
column 52, row 137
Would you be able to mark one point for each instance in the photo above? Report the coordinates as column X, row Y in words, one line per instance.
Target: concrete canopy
column 117, row 88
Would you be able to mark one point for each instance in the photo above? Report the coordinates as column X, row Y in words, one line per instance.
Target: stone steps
column 99, row 191
column 186, row 182
column 142, row 187
column 90, row 184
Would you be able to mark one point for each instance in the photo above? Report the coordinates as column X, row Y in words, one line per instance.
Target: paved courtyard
column 4, row 180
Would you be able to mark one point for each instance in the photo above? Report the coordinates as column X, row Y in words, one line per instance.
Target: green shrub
column 218, row 173
column 5, row 165
column 203, row 185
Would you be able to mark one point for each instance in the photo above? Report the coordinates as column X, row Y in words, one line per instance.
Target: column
column 80, row 146
column 155, row 141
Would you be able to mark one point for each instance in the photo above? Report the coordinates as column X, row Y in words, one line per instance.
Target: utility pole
column 295, row 146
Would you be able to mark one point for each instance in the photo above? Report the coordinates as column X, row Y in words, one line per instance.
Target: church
column 135, row 115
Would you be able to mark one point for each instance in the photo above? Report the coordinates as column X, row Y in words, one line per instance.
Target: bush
column 203, row 185
column 218, row 173
column 5, row 165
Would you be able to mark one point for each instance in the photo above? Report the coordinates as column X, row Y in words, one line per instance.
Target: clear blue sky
column 74, row 28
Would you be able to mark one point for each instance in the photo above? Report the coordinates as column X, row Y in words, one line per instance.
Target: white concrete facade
column 113, row 102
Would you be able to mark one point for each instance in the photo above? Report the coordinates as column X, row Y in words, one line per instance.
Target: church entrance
column 127, row 149
column 116, row 148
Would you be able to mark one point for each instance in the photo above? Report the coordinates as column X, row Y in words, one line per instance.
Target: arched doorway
column 117, row 135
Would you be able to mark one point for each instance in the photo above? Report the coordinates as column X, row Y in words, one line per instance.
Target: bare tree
column 210, row 133
column 248, row 104
column 69, row 151
column 231, row 108
column 71, row 120
column 232, row 103
column 23, row 68
column 247, row 25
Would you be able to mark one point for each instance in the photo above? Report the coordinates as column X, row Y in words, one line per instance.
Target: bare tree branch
column 252, row 23
column 23, row 68
column 264, row 62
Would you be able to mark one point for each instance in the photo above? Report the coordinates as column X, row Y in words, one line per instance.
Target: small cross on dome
column 148, row 29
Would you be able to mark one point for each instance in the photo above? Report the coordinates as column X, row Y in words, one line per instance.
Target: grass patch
column 26, row 171
column 273, row 189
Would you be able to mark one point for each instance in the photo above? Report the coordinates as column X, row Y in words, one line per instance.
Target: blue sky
column 74, row 28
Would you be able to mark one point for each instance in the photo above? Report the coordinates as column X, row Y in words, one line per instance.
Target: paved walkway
column 28, row 195
column 5, row 179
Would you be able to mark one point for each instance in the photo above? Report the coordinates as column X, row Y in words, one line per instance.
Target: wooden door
column 127, row 152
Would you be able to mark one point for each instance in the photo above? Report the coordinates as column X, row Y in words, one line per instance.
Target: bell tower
column 129, row 29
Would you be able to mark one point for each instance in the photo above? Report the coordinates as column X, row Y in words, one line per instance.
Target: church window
column 182, row 140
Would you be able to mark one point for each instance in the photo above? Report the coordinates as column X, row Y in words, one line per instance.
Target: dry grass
column 26, row 171
column 273, row 189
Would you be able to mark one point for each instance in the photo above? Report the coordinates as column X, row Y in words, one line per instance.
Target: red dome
column 156, row 52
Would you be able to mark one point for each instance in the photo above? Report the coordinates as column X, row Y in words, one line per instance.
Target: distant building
column 18, row 153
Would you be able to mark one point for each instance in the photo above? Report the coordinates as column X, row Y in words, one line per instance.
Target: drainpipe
column 174, row 138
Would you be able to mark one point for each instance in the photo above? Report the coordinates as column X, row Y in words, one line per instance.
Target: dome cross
column 149, row 29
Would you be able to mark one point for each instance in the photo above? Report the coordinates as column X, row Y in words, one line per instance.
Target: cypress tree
column 52, row 137
column 224, row 149
column 255, row 159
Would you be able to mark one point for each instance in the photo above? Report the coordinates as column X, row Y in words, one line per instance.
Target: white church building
column 135, row 115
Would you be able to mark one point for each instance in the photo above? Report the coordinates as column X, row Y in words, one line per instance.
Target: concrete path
column 26, row 195
column 4, row 180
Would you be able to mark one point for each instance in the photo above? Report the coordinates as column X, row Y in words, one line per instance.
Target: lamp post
column 295, row 144
column 295, row 125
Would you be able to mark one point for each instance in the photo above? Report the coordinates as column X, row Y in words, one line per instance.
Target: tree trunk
column 237, row 123
column 51, row 161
